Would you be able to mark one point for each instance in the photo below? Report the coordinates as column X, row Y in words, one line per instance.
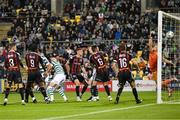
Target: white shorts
column 93, row 77
column 59, row 79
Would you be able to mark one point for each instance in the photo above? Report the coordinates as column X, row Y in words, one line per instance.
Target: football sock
column 21, row 91
column 84, row 89
column 94, row 90
column 91, row 89
column 50, row 93
column 77, row 90
column 7, row 92
column 27, row 94
column 31, row 93
column 119, row 92
column 107, row 90
column 61, row 91
column 135, row 93
column 43, row 91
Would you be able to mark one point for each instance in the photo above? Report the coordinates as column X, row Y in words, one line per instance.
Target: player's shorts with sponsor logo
column 59, row 79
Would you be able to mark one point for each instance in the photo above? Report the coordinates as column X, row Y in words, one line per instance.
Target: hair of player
column 94, row 48
column 33, row 47
column 122, row 46
column 11, row 45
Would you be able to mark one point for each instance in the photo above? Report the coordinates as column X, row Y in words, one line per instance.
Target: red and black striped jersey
column 75, row 65
column 12, row 61
column 123, row 59
column 99, row 62
column 32, row 61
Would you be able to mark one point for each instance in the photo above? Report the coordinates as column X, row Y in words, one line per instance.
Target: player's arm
column 84, row 71
column 6, row 63
column 114, row 67
column 20, row 61
column 49, row 67
column 150, row 44
column 167, row 61
column 67, row 65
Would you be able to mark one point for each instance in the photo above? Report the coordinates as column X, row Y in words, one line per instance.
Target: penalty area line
column 97, row 112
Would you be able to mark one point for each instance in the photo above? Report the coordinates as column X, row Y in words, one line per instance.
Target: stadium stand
column 101, row 20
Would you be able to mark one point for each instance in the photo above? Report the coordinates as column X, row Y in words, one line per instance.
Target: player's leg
column 50, row 90
column 94, row 90
column 41, row 85
column 92, row 78
column 77, row 83
column 121, row 86
column 7, row 91
column 62, row 94
column 105, row 79
column 28, row 92
column 21, row 91
column 29, row 86
column 18, row 81
column 61, row 90
column 154, row 76
column 131, row 81
column 43, row 91
column 82, row 80
column 8, row 84
column 106, row 87
column 75, row 80
column 166, row 84
column 134, row 91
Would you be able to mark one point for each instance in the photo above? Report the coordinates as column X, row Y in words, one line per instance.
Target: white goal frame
column 159, row 66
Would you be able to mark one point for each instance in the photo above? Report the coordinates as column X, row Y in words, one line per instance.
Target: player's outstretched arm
column 114, row 67
column 150, row 44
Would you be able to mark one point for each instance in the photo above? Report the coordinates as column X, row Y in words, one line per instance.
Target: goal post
column 168, row 48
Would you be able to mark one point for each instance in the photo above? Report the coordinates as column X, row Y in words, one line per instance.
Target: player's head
column 55, row 54
column 33, row 47
column 122, row 46
column 79, row 51
column 90, row 50
column 154, row 47
column 95, row 48
column 12, row 46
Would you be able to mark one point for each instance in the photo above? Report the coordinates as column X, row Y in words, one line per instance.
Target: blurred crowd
column 103, row 21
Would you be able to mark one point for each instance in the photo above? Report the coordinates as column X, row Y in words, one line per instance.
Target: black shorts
column 125, row 76
column 34, row 77
column 14, row 76
column 75, row 76
column 102, row 76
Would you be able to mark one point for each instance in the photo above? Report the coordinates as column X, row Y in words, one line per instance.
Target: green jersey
column 58, row 69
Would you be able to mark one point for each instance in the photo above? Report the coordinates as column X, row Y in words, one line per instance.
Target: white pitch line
column 97, row 112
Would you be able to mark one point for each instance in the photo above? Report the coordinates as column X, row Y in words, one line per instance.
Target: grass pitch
column 103, row 109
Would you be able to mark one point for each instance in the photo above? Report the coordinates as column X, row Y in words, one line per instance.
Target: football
column 170, row 34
